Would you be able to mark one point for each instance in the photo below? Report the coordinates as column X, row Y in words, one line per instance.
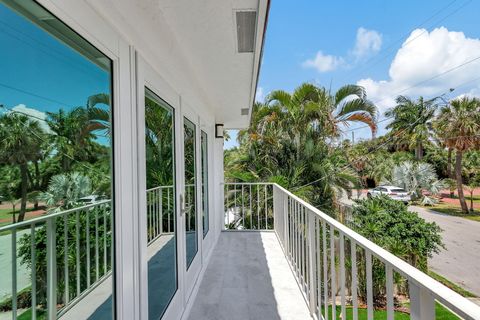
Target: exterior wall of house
column 104, row 26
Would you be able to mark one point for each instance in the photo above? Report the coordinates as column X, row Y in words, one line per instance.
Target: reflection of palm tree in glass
column 21, row 143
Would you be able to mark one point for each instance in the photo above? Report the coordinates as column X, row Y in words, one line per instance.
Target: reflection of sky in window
column 42, row 73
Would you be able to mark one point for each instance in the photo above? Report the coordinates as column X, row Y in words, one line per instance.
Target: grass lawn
column 452, row 210
column 441, row 313
column 41, row 315
column 451, row 285
column 7, row 213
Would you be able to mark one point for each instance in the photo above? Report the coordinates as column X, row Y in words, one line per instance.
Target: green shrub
column 389, row 224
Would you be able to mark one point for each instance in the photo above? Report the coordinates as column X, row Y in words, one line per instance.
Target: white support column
column 51, row 270
column 422, row 304
column 312, row 261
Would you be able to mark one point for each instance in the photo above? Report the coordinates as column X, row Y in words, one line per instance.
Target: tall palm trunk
column 458, row 173
column 450, row 171
column 23, row 204
column 471, row 199
column 37, row 183
column 419, row 151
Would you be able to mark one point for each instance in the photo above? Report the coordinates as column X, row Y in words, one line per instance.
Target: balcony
column 280, row 258
column 331, row 263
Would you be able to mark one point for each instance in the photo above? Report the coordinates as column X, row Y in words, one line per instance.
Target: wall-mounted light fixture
column 219, row 130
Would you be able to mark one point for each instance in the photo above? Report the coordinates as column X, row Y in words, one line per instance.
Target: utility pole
column 353, row 137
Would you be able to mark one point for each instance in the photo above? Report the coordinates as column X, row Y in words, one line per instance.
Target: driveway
column 460, row 261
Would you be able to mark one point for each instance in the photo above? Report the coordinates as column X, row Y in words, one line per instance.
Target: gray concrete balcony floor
column 248, row 277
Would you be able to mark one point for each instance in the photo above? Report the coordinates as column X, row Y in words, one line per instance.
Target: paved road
column 460, row 261
column 23, row 275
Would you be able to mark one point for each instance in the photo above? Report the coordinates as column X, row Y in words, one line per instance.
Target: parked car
column 91, row 199
column 395, row 193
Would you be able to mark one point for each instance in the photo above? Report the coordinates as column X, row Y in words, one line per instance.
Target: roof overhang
column 197, row 46
column 209, row 33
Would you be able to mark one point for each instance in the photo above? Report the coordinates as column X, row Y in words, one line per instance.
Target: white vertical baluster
column 14, row 273
column 65, row 257
column 258, row 207
column 342, row 274
column 312, row 262
column 353, row 250
column 325, row 268
column 251, row 208
column 97, row 254
column 52, row 270
column 243, row 207
column 368, row 257
column 33, row 254
column 389, row 284
column 77, row 249
column 160, row 201
column 87, row 238
column 266, row 207
column 333, row 271
column 319, row 275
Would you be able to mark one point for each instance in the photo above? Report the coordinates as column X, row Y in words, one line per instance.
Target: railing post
column 312, row 261
column 422, row 304
column 51, row 270
column 278, row 211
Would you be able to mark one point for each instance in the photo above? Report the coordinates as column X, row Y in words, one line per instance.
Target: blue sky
column 39, row 73
column 386, row 46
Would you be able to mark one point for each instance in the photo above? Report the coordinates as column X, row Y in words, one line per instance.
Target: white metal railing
column 60, row 280
column 160, row 212
column 68, row 254
column 334, row 265
column 248, row 206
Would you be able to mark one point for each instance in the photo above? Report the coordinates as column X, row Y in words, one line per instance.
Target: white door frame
column 207, row 241
column 191, row 274
column 148, row 78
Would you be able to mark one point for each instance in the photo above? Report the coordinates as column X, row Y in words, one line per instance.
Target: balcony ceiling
column 204, row 34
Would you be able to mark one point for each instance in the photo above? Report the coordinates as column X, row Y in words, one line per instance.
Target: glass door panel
column 160, row 211
column 204, row 151
column 190, row 195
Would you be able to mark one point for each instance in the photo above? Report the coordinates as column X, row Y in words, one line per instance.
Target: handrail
column 50, row 216
column 160, row 187
column 447, row 296
column 85, row 233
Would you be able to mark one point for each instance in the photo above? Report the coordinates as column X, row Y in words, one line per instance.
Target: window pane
column 56, row 167
column 190, row 190
column 161, row 233
column 205, row 218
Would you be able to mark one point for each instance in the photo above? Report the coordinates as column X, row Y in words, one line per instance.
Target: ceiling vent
column 244, row 111
column 246, row 24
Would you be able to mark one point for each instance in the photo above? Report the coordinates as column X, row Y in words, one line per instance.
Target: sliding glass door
column 160, row 204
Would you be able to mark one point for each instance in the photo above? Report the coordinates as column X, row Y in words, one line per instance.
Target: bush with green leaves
column 389, row 224
column 71, row 260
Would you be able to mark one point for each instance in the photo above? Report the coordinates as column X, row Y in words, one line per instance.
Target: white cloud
column 34, row 114
column 260, row 95
column 425, row 55
column 324, row 63
column 368, row 42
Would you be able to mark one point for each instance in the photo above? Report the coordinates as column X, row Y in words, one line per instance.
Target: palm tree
column 411, row 123
column 64, row 190
column 459, row 126
column 74, row 129
column 20, row 144
column 285, row 142
column 314, row 107
column 416, row 177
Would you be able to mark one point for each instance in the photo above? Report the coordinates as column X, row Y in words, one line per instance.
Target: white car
column 91, row 199
column 395, row 193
